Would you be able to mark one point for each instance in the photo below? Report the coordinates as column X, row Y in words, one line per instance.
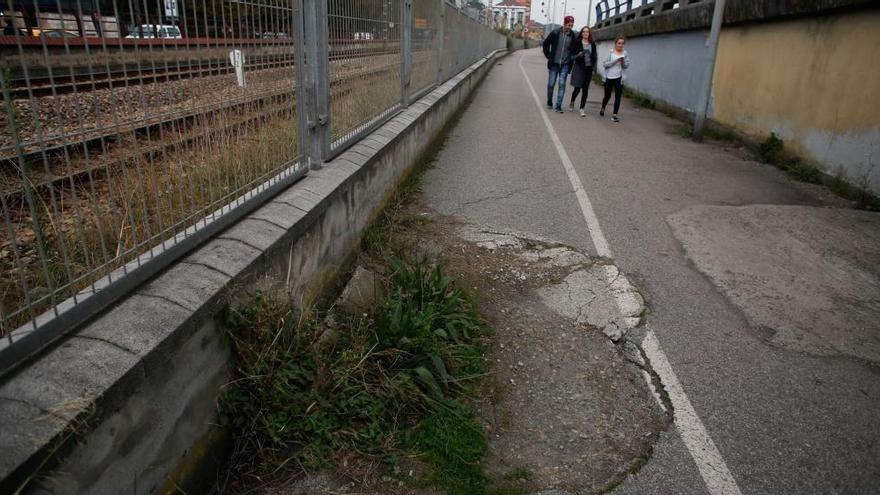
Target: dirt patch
column 564, row 409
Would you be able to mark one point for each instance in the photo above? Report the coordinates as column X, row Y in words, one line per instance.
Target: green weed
column 804, row 172
column 686, row 131
column 454, row 445
column 643, row 101
column 391, row 384
column 858, row 191
column 378, row 235
column 770, row 151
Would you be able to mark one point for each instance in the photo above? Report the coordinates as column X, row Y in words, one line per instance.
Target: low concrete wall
column 127, row 404
column 521, row 43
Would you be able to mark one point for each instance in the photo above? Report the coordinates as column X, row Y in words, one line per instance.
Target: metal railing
column 610, row 12
column 132, row 131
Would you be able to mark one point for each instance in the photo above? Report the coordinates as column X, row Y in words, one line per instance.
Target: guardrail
column 611, row 12
column 122, row 149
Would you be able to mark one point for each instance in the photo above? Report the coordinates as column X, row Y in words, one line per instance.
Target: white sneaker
column 582, row 113
column 571, row 108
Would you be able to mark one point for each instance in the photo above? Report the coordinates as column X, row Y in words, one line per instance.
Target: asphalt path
column 784, row 419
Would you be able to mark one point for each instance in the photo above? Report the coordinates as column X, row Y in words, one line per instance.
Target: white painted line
column 709, row 462
column 712, row 468
column 583, row 200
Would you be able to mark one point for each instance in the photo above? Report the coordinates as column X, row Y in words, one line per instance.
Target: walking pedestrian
column 558, row 50
column 615, row 63
column 582, row 68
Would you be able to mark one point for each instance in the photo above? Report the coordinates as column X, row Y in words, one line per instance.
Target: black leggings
column 617, row 84
column 574, row 94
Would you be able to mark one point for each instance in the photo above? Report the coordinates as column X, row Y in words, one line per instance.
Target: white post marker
column 708, row 459
column 236, row 57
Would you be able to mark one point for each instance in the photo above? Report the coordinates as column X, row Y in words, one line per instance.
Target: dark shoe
column 602, row 112
column 559, row 110
column 549, row 104
column 614, row 118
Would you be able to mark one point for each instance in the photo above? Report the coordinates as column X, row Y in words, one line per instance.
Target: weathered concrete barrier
column 127, row 403
column 782, row 67
column 521, row 43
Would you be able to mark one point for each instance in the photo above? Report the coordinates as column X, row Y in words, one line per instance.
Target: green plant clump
column 770, row 151
column 394, row 384
column 643, row 101
column 686, row 131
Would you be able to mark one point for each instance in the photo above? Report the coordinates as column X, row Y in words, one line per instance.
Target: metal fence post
column 406, row 52
column 706, row 89
column 304, row 88
column 314, row 138
column 322, row 53
column 441, row 20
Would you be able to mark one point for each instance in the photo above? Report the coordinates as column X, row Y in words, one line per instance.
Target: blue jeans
column 559, row 72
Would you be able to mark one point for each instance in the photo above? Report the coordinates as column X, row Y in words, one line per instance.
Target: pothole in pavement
column 566, row 409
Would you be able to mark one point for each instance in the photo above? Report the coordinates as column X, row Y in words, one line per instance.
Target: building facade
column 512, row 14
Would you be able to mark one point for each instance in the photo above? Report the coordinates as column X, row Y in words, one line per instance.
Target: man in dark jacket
column 558, row 50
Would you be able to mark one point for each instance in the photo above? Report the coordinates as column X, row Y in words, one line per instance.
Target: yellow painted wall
column 814, row 81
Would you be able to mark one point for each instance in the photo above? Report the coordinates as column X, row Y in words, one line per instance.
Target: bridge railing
column 131, row 132
column 611, row 12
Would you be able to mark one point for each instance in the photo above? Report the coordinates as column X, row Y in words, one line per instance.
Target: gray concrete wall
column 127, row 404
column 667, row 67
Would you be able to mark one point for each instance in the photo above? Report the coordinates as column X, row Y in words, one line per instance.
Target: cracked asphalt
column 762, row 292
column 562, row 403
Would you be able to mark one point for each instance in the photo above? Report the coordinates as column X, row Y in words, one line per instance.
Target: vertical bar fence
column 611, row 12
column 133, row 130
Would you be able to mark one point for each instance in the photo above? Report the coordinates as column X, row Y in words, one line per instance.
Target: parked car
column 268, row 35
column 166, row 31
column 57, row 33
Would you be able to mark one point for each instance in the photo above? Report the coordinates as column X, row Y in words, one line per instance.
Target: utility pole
column 706, row 90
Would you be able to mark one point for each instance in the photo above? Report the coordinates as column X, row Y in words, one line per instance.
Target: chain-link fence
column 132, row 131
column 372, row 33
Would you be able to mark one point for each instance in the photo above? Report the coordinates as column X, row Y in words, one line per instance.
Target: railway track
column 41, row 82
column 98, row 164
column 49, row 124
column 91, row 152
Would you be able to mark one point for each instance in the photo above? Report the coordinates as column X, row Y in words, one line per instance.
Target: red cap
column 568, row 18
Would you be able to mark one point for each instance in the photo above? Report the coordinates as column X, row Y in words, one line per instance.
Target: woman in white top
column 616, row 61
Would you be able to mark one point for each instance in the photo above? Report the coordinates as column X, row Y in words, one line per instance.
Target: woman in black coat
column 584, row 63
